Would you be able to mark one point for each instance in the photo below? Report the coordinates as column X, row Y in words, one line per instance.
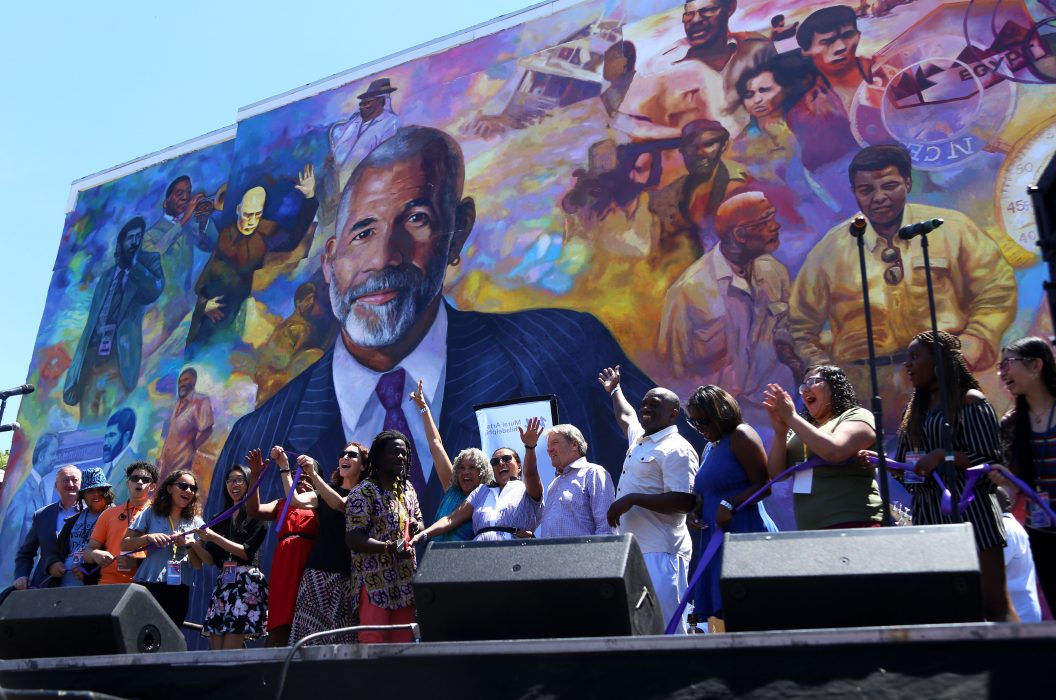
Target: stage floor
column 951, row 661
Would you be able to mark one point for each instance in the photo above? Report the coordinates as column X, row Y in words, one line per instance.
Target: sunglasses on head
column 496, row 461
column 350, row 454
column 140, row 479
column 184, row 486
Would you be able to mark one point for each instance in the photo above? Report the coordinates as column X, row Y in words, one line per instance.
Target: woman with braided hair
column 382, row 516
column 975, row 441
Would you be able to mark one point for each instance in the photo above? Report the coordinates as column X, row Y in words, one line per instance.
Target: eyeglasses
column 351, row 454
column 140, row 479
column 896, row 272
column 235, row 480
column 1006, row 362
column 184, row 486
column 496, row 461
column 698, row 423
column 809, row 382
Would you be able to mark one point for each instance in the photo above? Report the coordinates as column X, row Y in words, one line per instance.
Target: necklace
column 1038, row 417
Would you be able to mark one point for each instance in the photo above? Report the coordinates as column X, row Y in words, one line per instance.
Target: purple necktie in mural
column 390, row 393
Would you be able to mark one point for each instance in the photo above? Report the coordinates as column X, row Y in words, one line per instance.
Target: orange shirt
column 110, row 530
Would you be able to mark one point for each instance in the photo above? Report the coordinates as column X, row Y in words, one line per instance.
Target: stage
column 951, row 661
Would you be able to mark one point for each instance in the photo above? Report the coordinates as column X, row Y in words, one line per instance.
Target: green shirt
column 840, row 493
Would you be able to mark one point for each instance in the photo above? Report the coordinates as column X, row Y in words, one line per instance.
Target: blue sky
column 87, row 86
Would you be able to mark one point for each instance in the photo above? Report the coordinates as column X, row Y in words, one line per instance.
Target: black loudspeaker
column 85, row 621
column 535, row 589
column 912, row 575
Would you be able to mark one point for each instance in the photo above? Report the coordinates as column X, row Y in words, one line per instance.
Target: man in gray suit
column 105, row 367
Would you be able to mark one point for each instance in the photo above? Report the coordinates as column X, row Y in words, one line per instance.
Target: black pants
column 172, row 599
column 1043, row 548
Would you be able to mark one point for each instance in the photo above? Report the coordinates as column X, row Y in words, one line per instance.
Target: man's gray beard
column 376, row 326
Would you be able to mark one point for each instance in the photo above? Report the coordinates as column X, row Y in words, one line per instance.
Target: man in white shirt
column 656, row 488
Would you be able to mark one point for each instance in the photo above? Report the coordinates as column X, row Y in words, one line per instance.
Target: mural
column 663, row 186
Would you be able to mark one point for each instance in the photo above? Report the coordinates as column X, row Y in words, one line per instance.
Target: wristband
column 530, row 447
column 285, row 471
column 611, row 393
column 425, row 537
column 726, row 504
column 423, row 409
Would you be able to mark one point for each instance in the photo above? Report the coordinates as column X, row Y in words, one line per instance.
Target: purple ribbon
column 289, row 498
column 716, row 539
column 215, row 521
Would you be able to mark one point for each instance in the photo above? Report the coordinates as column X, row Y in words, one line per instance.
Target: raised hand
column 306, row 181
column 418, row 397
column 279, row 455
column 255, row 462
column 779, row 402
column 610, row 378
column 531, row 432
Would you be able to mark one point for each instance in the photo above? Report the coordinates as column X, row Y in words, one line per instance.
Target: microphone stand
column 857, row 230
column 949, row 472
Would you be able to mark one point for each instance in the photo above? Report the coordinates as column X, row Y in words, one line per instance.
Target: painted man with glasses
column 975, row 290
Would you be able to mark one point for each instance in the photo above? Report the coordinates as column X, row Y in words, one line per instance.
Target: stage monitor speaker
column 535, row 589
column 85, row 621
column 912, row 575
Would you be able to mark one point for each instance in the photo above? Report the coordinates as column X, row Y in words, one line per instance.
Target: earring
column 456, row 261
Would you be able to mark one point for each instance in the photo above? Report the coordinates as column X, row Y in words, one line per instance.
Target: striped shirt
column 976, row 435
column 1043, row 446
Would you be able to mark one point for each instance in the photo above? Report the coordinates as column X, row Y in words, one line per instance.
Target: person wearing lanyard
column 297, row 534
column 239, row 606
column 381, row 517
column 168, row 527
column 67, row 562
column 104, row 549
column 1028, row 440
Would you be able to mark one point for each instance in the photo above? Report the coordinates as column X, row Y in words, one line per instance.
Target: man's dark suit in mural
column 105, row 367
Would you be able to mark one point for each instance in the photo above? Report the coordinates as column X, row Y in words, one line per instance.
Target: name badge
column 78, row 559
column 106, row 339
column 229, row 572
column 909, row 476
column 124, row 563
column 173, row 573
column 1038, row 517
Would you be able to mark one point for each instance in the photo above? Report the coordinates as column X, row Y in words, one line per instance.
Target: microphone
column 913, row 230
column 857, row 227
column 10, row 427
column 18, row 391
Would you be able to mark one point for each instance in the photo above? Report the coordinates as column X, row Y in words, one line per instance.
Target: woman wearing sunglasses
column 1028, row 436
column 168, row 525
column 469, row 471
column 297, row 535
column 732, row 468
column 842, row 493
column 324, row 598
column 238, row 609
column 503, row 508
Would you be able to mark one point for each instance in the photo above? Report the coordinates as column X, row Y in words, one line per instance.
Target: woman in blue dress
column 732, row 468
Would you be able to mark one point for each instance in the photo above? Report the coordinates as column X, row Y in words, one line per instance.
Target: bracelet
column 530, row 447
column 423, row 409
column 726, row 504
column 424, row 536
column 287, row 470
column 611, row 393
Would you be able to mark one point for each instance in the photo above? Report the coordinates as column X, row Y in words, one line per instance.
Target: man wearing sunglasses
column 656, row 489
column 975, row 289
column 104, row 548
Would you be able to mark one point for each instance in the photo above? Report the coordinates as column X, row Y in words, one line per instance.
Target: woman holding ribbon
column 975, row 441
column 841, row 491
column 168, row 526
column 238, row 609
column 504, row 507
column 1028, row 433
column 324, row 599
column 297, row 534
column 469, row 471
column 732, row 469
column 383, row 515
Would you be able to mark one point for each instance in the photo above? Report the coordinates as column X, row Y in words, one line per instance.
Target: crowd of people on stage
column 349, row 544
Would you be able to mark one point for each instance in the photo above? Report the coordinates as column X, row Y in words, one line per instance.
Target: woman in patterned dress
column 238, row 609
column 383, row 515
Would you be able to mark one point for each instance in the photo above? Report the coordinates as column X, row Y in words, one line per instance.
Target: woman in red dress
column 296, row 537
